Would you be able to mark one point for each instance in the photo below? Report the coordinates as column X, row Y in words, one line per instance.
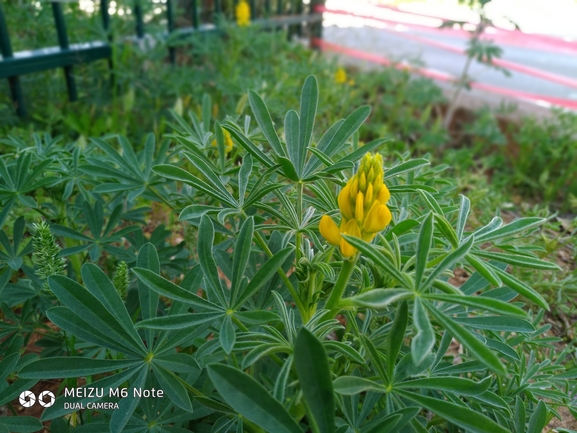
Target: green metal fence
column 294, row 14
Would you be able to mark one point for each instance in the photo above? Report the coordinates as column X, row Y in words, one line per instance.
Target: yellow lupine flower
column 341, row 76
column 227, row 141
column 363, row 206
column 242, row 13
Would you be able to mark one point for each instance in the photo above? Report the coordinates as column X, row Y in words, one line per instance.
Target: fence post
column 139, row 19
column 217, row 11
column 194, row 14
column 170, row 25
column 316, row 30
column 63, row 42
column 14, row 82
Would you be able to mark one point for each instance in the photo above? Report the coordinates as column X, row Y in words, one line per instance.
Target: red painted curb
column 441, row 76
column 503, row 37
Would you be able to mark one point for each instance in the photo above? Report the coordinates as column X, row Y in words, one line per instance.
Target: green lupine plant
column 277, row 318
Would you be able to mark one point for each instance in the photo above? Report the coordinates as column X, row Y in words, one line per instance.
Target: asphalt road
column 347, row 31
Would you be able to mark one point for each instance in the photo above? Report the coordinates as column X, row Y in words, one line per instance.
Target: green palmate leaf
column 61, row 367
column 350, row 385
column 127, row 406
column 520, row 287
column 198, row 160
column 174, row 389
column 464, row 209
column 288, row 169
column 195, row 211
column 396, row 336
column 264, row 121
column 291, row 127
column 423, row 247
column 345, row 130
column 241, row 256
column 496, row 323
column 148, row 259
column 68, row 320
column 374, row 356
column 449, row 260
column 215, row 290
column 20, row 424
column 263, row 275
column 227, row 335
column 179, row 321
column 538, row 420
column 108, row 382
column 249, row 398
column 480, row 303
column 516, row 260
column 424, row 341
column 176, row 173
column 431, row 202
column 515, row 227
column 519, row 414
column 376, row 256
column 167, row 288
column 413, row 164
column 394, row 422
column 378, row 298
column 243, row 177
column 93, row 311
column 308, row 112
column 452, row 384
column 472, row 343
column 482, row 268
column 312, row 367
column 249, row 146
column 462, row 416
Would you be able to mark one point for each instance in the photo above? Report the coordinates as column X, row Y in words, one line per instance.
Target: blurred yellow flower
column 227, row 141
column 242, row 13
column 362, row 203
column 341, row 76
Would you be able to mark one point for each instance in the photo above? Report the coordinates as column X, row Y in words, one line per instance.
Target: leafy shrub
column 266, row 327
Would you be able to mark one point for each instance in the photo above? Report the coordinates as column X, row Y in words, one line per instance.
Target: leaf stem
column 336, row 295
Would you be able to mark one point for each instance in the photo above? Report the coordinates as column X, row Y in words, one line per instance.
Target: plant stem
column 344, row 276
column 299, row 235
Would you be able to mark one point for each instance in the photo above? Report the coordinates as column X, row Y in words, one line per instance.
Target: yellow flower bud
column 371, row 175
column 242, row 13
column 362, row 203
column 369, row 196
column 384, row 194
column 354, row 190
column 330, row 230
column 351, row 229
column 345, row 202
column 363, row 183
column 377, row 219
column 340, row 76
column 360, row 208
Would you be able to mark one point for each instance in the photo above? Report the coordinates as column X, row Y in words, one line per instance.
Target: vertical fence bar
column 194, row 14
column 316, row 30
column 279, row 7
column 267, row 8
column 217, row 10
column 14, row 82
column 299, row 11
column 139, row 19
column 252, row 10
column 170, row 25
column 63, row 42
column 106, row 26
